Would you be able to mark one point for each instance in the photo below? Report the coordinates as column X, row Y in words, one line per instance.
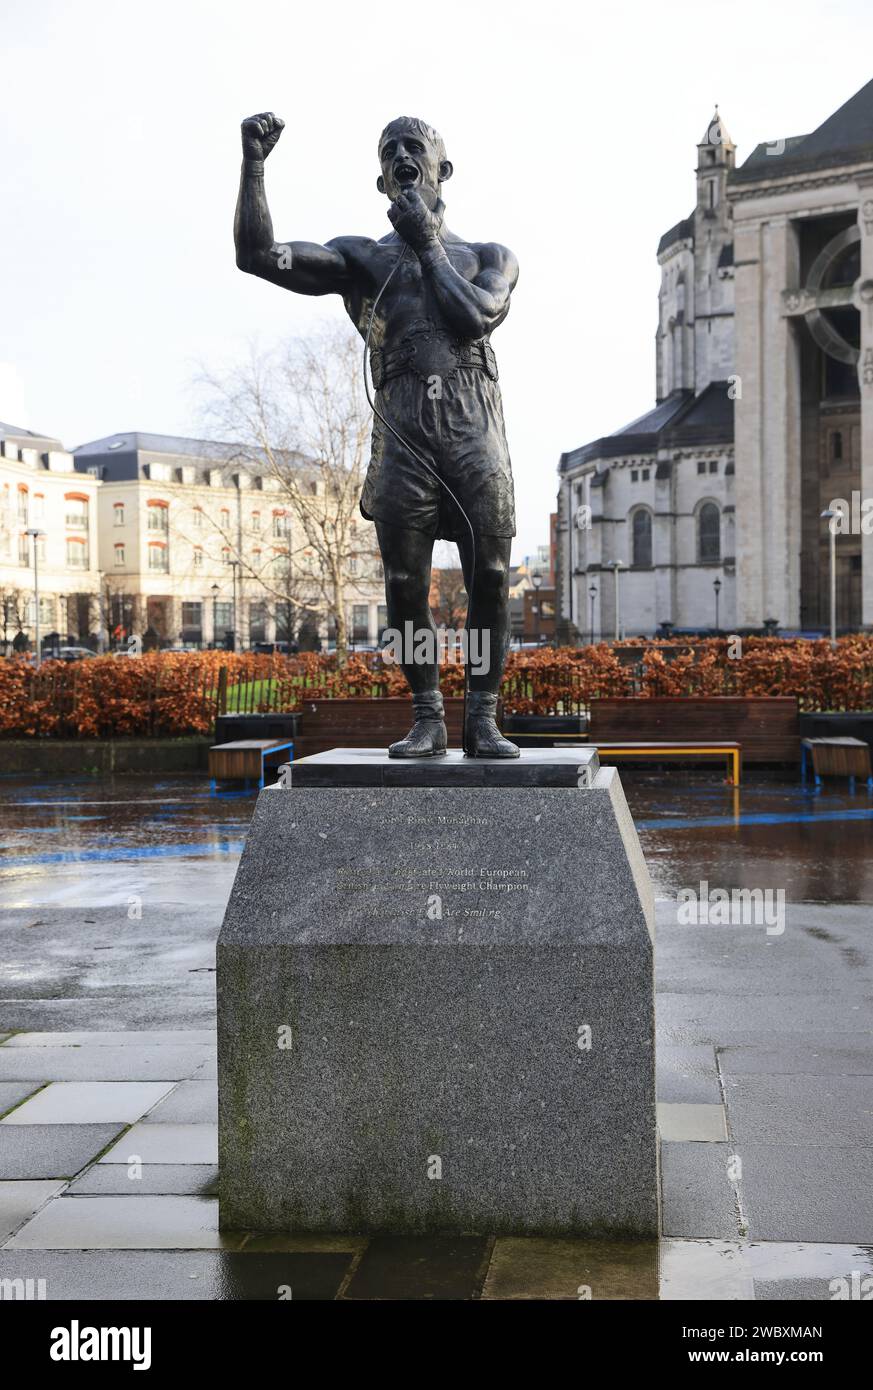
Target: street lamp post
column 234, row 565
column 215, row 593
column 592, row 594
column 831, row 517
column 35, row 532
column 716, row 584
column 536, row 580
column 617, row 566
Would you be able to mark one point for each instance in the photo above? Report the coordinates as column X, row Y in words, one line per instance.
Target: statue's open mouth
column 405, row 175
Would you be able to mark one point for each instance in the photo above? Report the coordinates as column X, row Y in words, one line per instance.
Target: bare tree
column 13, row 613
column 300, row 415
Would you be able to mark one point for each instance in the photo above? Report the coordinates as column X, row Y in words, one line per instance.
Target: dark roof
column 13, row 432
column 119, row 456
column 683, row 231
column 845, row 137
column 682, row 420
column 175, row 444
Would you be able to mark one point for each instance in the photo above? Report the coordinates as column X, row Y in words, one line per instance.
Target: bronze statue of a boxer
column 436, row 381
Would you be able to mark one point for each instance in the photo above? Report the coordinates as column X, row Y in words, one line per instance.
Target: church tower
column 713, row 257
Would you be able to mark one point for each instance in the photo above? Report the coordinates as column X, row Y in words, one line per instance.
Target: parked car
column 74, row 653
column 273, row 648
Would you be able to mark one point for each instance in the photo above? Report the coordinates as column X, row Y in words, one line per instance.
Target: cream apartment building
column 196, row 545
column 41, row 489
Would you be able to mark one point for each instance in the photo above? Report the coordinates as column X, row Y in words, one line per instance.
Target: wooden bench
column 732, row 752
column 246, row 759
column 836, row 757
column 767, row 728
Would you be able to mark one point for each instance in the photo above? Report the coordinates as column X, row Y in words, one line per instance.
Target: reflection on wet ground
column 815, row 846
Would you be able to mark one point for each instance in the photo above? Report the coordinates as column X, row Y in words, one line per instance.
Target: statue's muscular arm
column 473, row 308
column 302, row 266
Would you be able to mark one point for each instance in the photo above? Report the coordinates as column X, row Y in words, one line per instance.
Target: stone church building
column 710, row 504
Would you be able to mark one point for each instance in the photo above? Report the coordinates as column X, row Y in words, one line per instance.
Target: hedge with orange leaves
column 172, row 694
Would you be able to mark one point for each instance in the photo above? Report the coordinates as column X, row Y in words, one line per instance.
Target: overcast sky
column 572, row 129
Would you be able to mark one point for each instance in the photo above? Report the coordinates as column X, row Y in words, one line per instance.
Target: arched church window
column 708, row 533
column 641, row 537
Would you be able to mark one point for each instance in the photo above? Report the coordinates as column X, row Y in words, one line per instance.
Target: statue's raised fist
column 260, row 133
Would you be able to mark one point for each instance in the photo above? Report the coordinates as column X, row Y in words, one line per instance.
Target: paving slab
column 403, row 1268
column 797, row 1109
column 687, row 1075
column 803, row 1059
column 20, row 1200
column 51, row 1151
column 705, row 1270
column 317, row 1242
column 162, row 1275
column 191, row 1102
column 90, row 1063
column 698, row 1200
column 530, row 1267
column 727, row 1019
column 808, row 1192
column 691, row 1123
column 149, row 1179
column 166, row 1144
column 126, row 1223
column 107, row 1011
column 179, row 1037
column 89, row 1102
column 775, row 1260
column 13, row 1092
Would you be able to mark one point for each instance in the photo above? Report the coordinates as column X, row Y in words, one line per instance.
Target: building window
column 280, row 525
column 225, row 554
column 39, row 542
column 223, row 617
column 198, row 517
column 641, row 537
column 77, row 553
column 198, row 558
column 646, row 472
column 118, row 513
column 353, row 564
column 24, row 549
column 119, row 555
column 76, row 511
column 159, row 516
column 708, row 533
column 46, row 614
column 192, row 616
column 837, row 446
column 257, row 622
column 159, row 557
column 635, row 475
column 713, row 465
column 360, row 622
column 256, row 521
column 382, row 619
column 701, row 466
column 22, row 504
column 38, row 507
column 225, row 519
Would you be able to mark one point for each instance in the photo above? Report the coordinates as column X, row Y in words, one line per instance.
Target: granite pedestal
column 435, row 1002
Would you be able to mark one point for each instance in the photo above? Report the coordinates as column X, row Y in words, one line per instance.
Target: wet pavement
column 112, row 893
